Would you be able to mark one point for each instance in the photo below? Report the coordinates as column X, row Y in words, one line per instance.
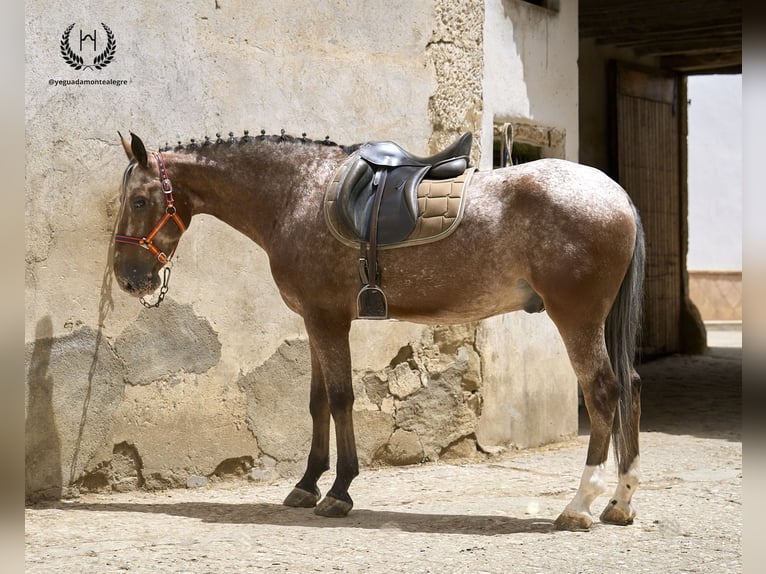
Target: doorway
column 647, row 156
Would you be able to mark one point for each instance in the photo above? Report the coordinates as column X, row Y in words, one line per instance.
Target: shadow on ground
column 698, row 395
column 278, row 515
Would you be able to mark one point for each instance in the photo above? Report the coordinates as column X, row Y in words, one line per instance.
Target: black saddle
column 378, row 200
column 396, row 173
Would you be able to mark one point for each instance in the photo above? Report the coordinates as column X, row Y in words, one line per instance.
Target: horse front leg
column 306, row 493
column 329, row 342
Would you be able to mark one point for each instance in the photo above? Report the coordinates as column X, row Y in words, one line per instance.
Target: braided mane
column 246, row 138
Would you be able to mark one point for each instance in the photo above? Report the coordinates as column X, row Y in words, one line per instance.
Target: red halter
column 170, row 213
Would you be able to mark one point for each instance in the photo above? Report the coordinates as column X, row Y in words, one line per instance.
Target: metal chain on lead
column 163, row 289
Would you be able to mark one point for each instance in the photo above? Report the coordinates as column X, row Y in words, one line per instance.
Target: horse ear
column 138, row 149
column 135, row 150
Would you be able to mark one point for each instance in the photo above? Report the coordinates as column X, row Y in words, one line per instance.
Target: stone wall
column 216, row 381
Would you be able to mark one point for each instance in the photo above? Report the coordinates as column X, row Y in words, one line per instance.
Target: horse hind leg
column 614, row 412
column 589, row 358
column 621, row 329
column 620, row 509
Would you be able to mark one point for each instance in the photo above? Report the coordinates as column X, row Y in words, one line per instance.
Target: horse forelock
column 125, row 176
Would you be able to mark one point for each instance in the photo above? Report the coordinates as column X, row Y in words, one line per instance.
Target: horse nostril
column 136, row 279
column 127, row 286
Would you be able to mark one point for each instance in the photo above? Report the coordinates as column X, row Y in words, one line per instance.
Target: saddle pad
column 441, row 204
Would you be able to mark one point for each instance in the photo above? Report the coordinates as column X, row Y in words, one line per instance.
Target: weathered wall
column 455, row 52
column 530, row 76
column 216, row 380
column 530, row 70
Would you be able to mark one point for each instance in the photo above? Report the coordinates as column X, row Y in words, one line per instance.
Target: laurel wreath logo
column 99, row 62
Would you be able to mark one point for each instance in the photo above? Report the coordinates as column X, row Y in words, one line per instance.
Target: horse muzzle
column 137, row 282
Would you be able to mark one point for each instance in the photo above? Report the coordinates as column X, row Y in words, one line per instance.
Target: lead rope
column 506, row 157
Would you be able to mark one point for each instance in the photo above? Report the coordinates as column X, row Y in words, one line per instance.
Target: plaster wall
column 715, row 172
column 530, row 75
column 215, row 381
column 714, row 168
column 530, row 71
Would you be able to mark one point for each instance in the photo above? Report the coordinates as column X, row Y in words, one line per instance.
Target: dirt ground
column 494, row 516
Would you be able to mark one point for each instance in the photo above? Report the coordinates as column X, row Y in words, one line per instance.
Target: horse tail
column 622, row 332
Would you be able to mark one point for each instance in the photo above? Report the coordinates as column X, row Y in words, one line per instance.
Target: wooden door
column 645, row 160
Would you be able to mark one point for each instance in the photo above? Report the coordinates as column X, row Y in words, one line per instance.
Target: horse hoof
column 618, row 513
column 573, row 521
column 332, row 507
column 300, row 498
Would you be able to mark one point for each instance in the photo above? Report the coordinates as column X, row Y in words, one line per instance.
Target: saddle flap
column 355, row 199
column 439, row 209
column 399, row 205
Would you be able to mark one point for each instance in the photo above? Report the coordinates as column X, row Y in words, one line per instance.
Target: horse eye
column 139, row 203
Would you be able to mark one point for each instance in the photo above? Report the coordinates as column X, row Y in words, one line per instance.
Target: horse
column 549, row 233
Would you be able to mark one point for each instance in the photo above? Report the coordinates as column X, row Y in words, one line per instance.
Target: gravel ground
column 494, row 516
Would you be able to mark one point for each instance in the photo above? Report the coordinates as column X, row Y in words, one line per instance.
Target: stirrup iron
column 371, row 303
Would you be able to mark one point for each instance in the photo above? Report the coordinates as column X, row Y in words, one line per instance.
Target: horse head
column 150, row 219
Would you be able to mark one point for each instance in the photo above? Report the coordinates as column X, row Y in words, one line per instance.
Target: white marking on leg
column 628, row 483
column 620, row 510
column 592, row 484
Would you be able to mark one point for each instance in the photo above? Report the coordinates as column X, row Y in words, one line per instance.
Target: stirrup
column 371, row 303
